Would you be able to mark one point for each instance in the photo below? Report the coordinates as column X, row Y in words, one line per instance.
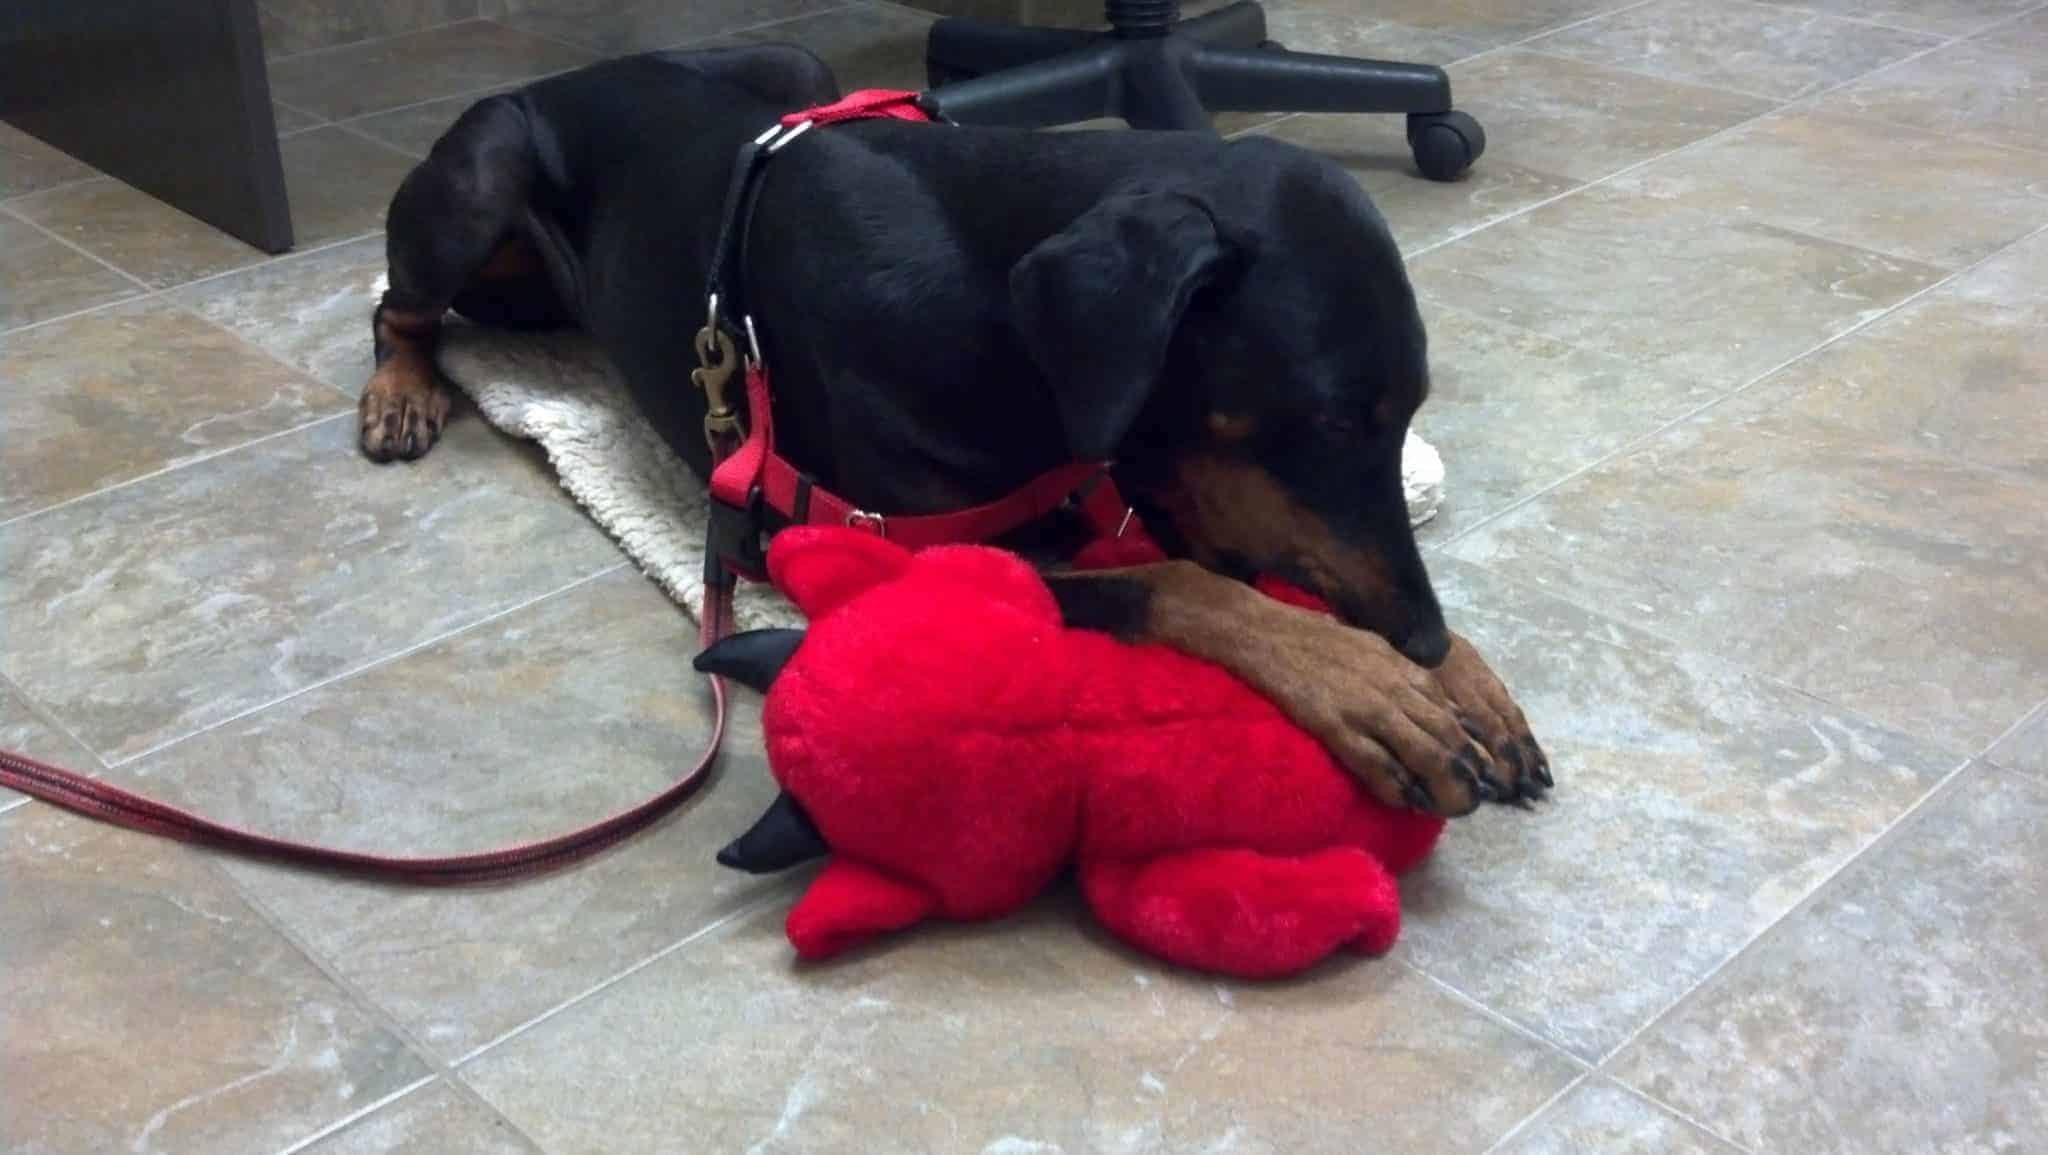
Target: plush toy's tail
column 850, row 903
column 1242, row 913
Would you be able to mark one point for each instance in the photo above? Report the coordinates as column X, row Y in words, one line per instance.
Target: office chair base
column 1171, row 73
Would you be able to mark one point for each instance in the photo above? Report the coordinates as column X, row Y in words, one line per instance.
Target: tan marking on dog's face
column 1232, row 427
column 1231, row 507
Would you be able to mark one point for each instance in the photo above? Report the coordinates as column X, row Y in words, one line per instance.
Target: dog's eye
column 1335, row 425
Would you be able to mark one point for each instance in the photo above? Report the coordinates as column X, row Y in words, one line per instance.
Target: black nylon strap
column 727, row 279
column 800, row 513
column 723, row 280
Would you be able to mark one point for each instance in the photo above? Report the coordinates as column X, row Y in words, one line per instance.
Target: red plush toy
column 954, row 746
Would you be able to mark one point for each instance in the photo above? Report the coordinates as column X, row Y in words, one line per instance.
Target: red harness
column 751, row 479
column 748, row 475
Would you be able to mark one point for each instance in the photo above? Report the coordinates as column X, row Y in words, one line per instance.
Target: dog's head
column 1250, row 349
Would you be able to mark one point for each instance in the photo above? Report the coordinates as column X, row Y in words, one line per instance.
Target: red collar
column 753, row 475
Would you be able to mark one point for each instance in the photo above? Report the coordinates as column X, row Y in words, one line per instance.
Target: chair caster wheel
column 1445, row 143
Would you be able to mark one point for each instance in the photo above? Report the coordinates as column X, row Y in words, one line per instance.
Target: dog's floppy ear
column 1098, row 303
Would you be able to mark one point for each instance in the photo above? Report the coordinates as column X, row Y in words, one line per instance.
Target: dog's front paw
column 403, row 410
column 1495, row 720
column 1387, row 720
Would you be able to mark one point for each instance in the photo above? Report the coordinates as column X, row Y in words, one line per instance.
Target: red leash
column 96, row 799
column 744, row 471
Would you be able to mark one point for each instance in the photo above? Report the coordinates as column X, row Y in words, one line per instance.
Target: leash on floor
column 747, row 475
column 95, row 799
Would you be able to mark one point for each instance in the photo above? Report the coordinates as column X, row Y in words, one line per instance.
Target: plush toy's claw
column 752, row 659
column 782, row 837
column 850, row 903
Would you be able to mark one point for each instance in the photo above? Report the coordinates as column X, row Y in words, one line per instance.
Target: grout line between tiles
column 779, row 892
column 462, row 1089
column 1963, row 135
column 356, row 1116
column 159, row 472
column 1690, row 145
column 74, row 314
column 152, row 294
column 92, row 174
column 1536, row 49
column 1511, row 45
column 372, row 1009
column 2040, row 710
column 1542, row 1109
column 279, row 259
column 1808, row 9
column 688, row 41
column 1882, row 839
column 309, row 114
column 352, row 123
column 365, row 667
column 1802, row 9
column 1877, row 842
column 537, row 34
column 347, row 128
column 1675, row 1113
column 303, row 53
column 472, row 94
column 81, row 250
column 342, row 394
column 1722, row 398
column 47, row 717
column 1498, row 1017
column 763, row 26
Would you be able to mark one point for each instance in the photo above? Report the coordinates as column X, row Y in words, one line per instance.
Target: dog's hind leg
column 455, row 212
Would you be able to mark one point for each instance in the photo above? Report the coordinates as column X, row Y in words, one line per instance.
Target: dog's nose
column 1428, row 647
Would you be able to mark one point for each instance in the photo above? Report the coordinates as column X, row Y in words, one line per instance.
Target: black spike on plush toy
column 781, row 838
column 752, row 659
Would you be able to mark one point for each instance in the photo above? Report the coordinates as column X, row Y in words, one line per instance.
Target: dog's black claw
column 1479, row 781
column 1486, row 785
column 1418, row 795
column 1512, row 755
column 1539, row 765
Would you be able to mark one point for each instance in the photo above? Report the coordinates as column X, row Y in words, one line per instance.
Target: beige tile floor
column 1741, row 351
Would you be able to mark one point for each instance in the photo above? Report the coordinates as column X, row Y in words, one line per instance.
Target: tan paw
column 403, row 409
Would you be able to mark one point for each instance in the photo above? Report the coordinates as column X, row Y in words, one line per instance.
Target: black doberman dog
column 951, row 311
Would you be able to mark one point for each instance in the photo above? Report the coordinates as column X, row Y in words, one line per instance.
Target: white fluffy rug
column 560, row 391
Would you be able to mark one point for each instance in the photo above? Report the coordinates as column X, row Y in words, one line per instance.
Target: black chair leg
column 1239, row 25
column 1156, row 70
column 1444, row 142
column 1276, row 80
column 1081, row 85
column 963, row 49
column 1157, row 90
